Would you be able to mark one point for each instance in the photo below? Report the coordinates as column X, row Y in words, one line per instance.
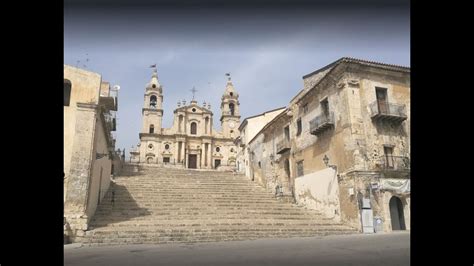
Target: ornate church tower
column 230, row 118
column 152, row 111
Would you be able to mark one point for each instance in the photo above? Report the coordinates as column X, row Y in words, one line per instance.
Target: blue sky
column 266, row 51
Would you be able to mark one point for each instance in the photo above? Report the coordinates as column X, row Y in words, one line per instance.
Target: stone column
column 183, row 155
column 206, row 155
column 209, row 156
column 198, row 163
column 82, row 159
column 176, row 152
column 186, row 157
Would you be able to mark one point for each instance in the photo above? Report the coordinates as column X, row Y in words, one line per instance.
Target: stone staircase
column 164, row 205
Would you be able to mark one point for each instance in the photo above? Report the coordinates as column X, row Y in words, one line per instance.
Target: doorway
column 381, row 95
column 217, row 163
column 192, row 161
column 396, row 214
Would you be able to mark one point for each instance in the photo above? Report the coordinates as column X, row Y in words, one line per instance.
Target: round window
column 231, row 94
column 218, row 149
column 194, row 109
column 232, row 150
column 167, row 146
column 150, row 146
column 231, row 131
column 153, row 86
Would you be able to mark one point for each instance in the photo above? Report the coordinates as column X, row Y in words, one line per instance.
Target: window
column 231, row 94
column 153, row 101
column 167, row 146
column 305, row 108
column 218, row 149
column 231, row 107
column 193, row 128
column 194, row 110
column 150, row 146
column 287, row 133
column 231, row 149
column 259, row 165
column 299, row 168
column 166, row 159
column 388, row 156
column 153, row 86
column 231, row 131
column 217, row 163
column 67, row 92
column 299, row 127
column 152, row 129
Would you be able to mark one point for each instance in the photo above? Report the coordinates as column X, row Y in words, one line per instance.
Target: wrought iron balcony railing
column 394, row 163
column 384, row 111
column 283, row 146
column 321, row 122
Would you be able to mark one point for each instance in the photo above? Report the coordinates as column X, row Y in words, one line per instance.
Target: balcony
column 394, row 163
column 283, row 146
column 388, row 112
column 321, row 123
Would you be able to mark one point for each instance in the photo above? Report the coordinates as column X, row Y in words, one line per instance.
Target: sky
column 266, row 50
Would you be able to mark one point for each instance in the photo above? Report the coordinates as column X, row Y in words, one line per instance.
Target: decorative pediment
column 189, row 109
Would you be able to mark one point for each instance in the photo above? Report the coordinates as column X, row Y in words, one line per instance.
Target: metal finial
column 193, row 91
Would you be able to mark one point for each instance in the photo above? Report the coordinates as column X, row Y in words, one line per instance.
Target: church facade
column 192, row 141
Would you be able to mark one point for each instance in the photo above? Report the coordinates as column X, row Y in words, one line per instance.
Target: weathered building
column 191, row 142
column 248, row 129
column 89, row 119
column 342, row 146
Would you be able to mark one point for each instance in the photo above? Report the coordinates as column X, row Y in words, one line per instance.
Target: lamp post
column 333, row 166
column 326, row 162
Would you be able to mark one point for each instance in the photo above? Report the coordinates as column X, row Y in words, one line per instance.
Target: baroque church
column 191, row 142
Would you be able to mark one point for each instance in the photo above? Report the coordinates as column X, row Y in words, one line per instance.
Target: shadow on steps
column 108, row 212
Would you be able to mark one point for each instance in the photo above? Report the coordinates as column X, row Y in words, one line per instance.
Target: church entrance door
column 192, row 161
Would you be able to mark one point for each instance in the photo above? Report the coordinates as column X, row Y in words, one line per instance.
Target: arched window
column 231, row 107
column 152, row 129
column 153, row 101
column 193, row 128
column 67, row 92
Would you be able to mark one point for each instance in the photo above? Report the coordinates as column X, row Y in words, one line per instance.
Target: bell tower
column 152, row 111
column 230, row 118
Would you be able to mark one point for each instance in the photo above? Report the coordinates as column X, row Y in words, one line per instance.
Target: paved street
column 377, row 249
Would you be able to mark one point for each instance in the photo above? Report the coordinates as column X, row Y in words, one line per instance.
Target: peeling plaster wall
column 319, row 191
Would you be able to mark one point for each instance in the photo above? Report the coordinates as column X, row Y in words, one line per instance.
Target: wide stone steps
column 187, row 237
column 159, row 205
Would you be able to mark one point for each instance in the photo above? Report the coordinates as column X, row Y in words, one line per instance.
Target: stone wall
column 319, row 191
column 84, row 89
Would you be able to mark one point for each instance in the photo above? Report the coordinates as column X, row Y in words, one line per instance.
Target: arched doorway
column 396, row 214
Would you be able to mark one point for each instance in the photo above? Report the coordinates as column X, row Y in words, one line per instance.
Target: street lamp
column 326, row 162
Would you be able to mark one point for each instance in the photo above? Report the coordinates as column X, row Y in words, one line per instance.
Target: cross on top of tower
column 193, row 91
